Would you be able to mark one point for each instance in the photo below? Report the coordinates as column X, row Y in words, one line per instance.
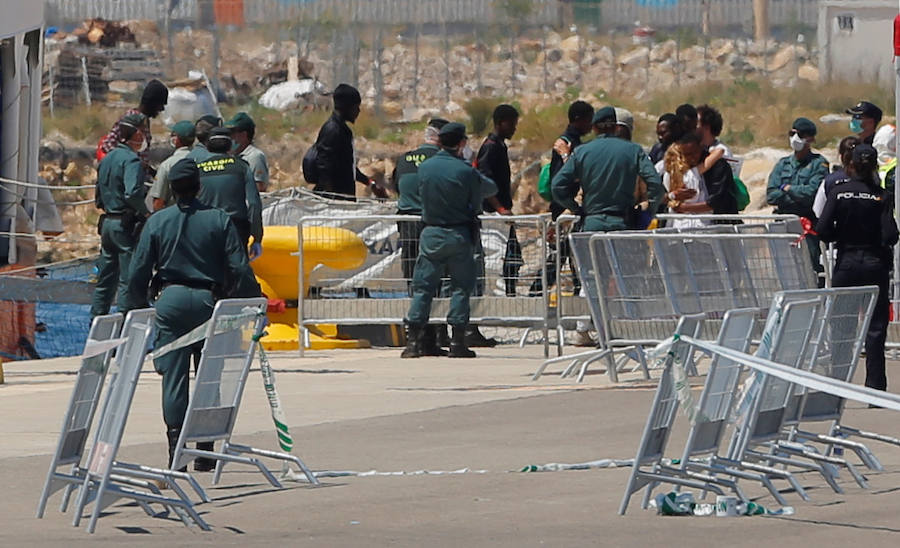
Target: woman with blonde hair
column 681, row 173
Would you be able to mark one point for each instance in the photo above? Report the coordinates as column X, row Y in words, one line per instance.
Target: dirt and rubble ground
column 367, row 410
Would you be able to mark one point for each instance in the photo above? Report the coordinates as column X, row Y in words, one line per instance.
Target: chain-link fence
column 439, row 54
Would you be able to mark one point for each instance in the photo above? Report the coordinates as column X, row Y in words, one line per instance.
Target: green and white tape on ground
column 285, row 441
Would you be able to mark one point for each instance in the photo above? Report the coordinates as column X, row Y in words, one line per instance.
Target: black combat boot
column 430, row 345
column 458, row 346
column 205, row 464
column 172, row 434
column 475, row 339
column 413, row 342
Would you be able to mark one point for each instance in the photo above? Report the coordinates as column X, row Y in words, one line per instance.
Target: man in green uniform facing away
column 193, row 248
column 794, row 181
column 243, row 130
column 410, row 203
column 227, row 183
column 120, row 194
column 606, row 170
column 452, row 194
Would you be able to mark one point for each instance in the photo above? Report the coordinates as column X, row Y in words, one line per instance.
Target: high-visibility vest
column 883, row 170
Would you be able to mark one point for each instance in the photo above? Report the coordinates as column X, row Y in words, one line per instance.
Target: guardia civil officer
column 193, row 248
column 243, row 130
column 606, row 170
column 406, row 177
column 858, row 218
column 182, row 138
column 227, row 183
column 120, row 194
column 452, row 194
column 794, row 180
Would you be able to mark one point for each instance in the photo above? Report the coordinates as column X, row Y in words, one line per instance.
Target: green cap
column 454, row 128
column 805, row 127
column 241, row 122
column 183, row 130
column 134, row 120
column 185, row 168
column 605, row 115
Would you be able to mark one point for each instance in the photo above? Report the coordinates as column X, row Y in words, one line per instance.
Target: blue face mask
column 856, row 125
column 235, row 146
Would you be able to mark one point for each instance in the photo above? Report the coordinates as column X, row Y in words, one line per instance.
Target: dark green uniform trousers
column 116, row 247
column 179, row 309
column 440, row 249
column 604, row 223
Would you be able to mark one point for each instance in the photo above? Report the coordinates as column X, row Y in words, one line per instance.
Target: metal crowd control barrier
column 835, row 350
column 80, row 414
column 228, row 352
column 769, row 397
column 360, row 276
column 566, row 278
column 786, row 332
column 98, row 485
column 644, row 281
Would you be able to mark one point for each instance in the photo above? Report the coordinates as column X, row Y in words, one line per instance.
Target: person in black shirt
column 580, row 115
column 687, row 115
column 668, row 131
column 859, row 219
column 336, row 160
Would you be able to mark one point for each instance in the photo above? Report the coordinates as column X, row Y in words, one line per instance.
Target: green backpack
column 741, row 194
column 544, row 183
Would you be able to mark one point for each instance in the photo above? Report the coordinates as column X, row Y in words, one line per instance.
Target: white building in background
column 856, row 40
column 21, row 61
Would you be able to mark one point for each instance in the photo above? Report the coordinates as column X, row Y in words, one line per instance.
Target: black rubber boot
column 172, row 434
column 430, row 346
column 475, row 339
column 205, row 464
column 458, row 346
column 413, row 342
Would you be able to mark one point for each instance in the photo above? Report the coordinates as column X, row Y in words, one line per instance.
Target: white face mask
column 797, row 143
column 143, row 146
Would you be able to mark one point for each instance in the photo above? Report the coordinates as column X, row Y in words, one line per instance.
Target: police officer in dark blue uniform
column 858, row 218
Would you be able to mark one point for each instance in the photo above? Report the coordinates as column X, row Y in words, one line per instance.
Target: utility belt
column 474, row 227
column 206, row 286
column 131, row 221
column 157, row 285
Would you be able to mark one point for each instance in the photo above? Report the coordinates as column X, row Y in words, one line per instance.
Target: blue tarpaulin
column 657, row 3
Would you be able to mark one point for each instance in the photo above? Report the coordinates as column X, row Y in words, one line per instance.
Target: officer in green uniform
column 182, row 139
column 120, row 194
column 452, row 195
column 202, row 130
column 243, row 130
column 410, row 203
column 227, row 183
column 794, row 181
column 193, row 248
column 606, row 169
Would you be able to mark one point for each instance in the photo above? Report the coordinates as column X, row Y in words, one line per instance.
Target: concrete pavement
column 367, row 410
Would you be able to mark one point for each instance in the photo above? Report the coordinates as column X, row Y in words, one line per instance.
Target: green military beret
column 183, row 130
column 185, row 168
column 805, row 127
column 241, row 122
column 605, row 115
column 134, row 120
column 213, row 121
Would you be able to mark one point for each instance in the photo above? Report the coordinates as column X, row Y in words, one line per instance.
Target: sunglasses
column 793, row 132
